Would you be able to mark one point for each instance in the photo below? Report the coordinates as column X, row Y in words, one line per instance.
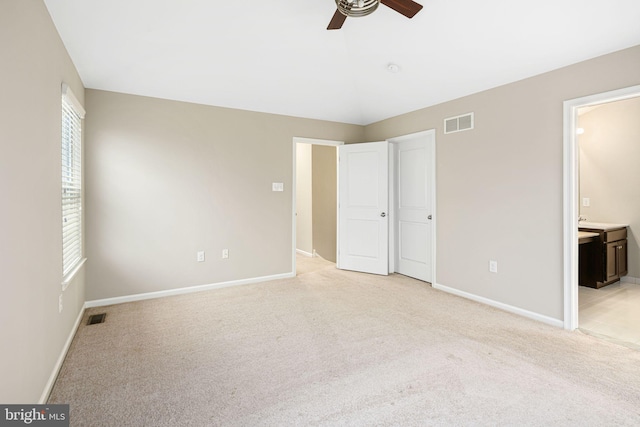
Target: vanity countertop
column 600, row 226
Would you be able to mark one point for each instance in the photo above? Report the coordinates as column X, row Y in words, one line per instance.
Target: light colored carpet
column 331, row 347
column 306, row 265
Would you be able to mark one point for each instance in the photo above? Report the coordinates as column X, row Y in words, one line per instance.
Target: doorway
column 423, row 254
column 572, row 194
column 314, row 199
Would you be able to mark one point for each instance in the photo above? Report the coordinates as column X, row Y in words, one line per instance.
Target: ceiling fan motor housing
column 357, row 8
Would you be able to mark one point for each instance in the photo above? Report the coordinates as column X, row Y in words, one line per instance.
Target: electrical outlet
column 493, row 266
column 60, row 304
column 586, row 202
column 200, row 256
column 225, row 253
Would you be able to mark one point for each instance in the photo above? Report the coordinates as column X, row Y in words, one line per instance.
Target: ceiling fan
column 356, row 8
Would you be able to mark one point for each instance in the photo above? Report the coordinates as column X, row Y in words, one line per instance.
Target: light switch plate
column 493, row 266
column 586, row 202
column 277, row 186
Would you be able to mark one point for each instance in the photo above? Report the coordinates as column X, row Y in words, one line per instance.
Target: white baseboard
column 506, row 307
column 187, row 290
column 304, row 253
column 56, row 369
column 307, row 254
column 629, row 279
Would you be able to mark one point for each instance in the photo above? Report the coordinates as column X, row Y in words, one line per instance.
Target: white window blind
column 72, row 115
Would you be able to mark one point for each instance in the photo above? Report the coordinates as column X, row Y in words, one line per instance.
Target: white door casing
column 363, row 220
column 413, row 171
column 571, row 193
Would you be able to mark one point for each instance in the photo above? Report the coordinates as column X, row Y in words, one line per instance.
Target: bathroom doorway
column 608, row 154
column 601, row 129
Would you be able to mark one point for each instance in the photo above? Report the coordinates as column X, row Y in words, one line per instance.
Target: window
column 72, row 115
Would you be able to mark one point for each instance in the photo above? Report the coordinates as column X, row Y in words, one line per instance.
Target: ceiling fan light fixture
column 357, row 8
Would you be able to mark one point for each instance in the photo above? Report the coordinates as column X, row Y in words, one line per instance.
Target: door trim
column 392, row 173
column 571, row 194
column 302, row 140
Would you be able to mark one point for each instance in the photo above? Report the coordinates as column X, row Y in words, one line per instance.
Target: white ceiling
column 276, row 56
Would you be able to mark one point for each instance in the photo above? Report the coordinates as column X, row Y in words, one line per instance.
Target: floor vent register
column 94, row 319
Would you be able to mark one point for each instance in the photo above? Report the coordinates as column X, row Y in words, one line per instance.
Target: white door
column 413, row 213
column 363, row 220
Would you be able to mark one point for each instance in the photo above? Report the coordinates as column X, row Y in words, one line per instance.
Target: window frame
column 72, row 189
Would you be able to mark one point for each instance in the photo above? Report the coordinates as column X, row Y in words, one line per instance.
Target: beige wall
column 609, row 172
column 32, row 332
column 166, row 179
column 499, row 186
column 304, row 192
column 325, row 175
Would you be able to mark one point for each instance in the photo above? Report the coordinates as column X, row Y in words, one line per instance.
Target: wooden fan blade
column 337, row 21
column 406, row 7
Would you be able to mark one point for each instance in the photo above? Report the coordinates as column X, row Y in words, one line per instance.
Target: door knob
column 429, row 217
column 383, row 214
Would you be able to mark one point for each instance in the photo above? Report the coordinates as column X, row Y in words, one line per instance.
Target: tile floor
column 612, row 313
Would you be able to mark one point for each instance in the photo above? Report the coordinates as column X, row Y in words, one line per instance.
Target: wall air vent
column 458, row 123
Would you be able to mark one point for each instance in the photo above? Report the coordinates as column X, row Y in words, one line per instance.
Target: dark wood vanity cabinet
column 616, row 260
column 606, row 260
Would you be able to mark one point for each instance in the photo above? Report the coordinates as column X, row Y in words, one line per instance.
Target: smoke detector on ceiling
column 393, row 68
